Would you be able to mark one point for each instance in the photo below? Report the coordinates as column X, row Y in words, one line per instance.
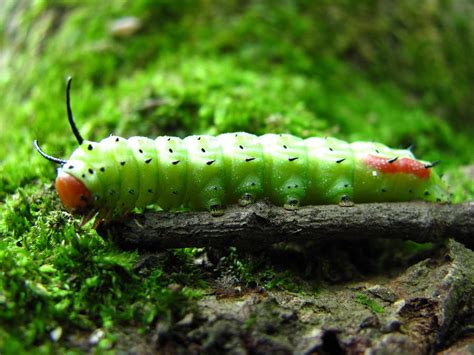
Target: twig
column 261, row 224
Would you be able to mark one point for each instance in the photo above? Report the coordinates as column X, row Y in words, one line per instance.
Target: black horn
column 69, row 112
column 47, row 156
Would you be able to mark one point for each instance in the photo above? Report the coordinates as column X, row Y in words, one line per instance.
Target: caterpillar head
column 74, row 195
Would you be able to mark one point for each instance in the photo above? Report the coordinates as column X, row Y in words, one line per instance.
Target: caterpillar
column 111, row 177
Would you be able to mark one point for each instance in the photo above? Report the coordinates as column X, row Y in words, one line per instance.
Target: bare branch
column 261, row 224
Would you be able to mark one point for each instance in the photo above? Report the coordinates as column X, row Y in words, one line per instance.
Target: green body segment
column 285, row 168
column 244, row 166
column 331, row 171
column 205, row 187
column 206, row 173
column 172, row 172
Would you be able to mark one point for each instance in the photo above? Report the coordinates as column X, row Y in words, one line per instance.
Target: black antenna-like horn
column 47, row 156
column 69, row 112
column 432, row 164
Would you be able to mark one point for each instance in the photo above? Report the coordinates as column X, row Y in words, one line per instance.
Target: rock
column 96, row 336
column 125, row 26
column 383, row 293
column 412, row 312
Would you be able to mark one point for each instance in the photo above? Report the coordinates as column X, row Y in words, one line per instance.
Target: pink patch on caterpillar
column 399, row 166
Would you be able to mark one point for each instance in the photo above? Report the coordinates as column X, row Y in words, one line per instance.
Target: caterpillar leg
column 292, row 204
column 105, row 215
column 213, row 200
column 293, row 193
column 246, row 200
column 216, row 210
column 346, row 201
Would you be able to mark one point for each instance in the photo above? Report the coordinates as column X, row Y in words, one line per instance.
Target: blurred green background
column 400, row 73
column 397, row 72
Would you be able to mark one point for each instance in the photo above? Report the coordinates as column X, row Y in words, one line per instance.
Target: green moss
column 366, row 301
column 250, row 322
column 258, row 271
column 51, row 276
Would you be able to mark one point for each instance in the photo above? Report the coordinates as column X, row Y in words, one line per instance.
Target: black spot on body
column 331, row 149
column 148, row 161
column 199, row 138
column 71, row 167
column 131, row 191
column 426, row 193
column 252, row 184
column 102, row 169
column 175, row 192
column 175, row 162
column 150, row 191
column 203, row 150
column 292, row 159
column 383, row 190
column 168, row 139
column 377, row 151
column 346, row 185
column 390, row 161
column 210, row 162
column 83, row 175
column 340, row 160
column 249, row 159
column 284, row 146
column 170, row 150
column 241, row 147
column 122, row 163
column 91, row 171
column 90, row 147
column 140, row 150
column 117, row 139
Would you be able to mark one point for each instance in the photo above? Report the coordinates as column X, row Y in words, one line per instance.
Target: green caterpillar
column 201, row 172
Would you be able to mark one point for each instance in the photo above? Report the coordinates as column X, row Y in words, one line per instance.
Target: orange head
column 73, row 193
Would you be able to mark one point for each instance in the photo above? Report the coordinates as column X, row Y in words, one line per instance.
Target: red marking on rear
column 400, row 166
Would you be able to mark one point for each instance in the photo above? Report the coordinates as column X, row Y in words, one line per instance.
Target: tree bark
column 261, row 224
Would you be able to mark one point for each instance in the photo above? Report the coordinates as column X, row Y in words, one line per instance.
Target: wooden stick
column 262, row 224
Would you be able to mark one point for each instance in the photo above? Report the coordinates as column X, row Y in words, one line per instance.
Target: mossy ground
column 199, row 67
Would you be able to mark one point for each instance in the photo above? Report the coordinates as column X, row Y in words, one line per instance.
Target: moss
column 260, row 271
column 197, row 67
column 366, row 301
column 52, row 276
